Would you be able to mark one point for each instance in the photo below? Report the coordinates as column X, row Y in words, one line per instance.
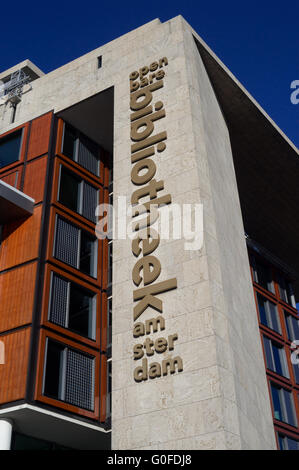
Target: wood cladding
column 35, row 179
column 16, row 310
column 20, row 240
column 13, row 178
column 39, row 136
column 18, row 281
column 13, row 373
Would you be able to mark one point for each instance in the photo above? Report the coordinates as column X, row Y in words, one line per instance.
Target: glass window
column 69, row 190
column 10, row 148
column 283, row 405
column 72, row 306
column 110, row 262
column 81, row 318
column 287, row 443
column 77, row 195
column 69, row 142
column 286, row 291
column 296, row 372
column 263, row 275
column 109, row 389
column 292, row 324
column 275, row 357
column 87, row 262
column 81, row 149
column 268, row 313
column 75, row 247
column 69, row 375
column 54, row 370
column 109, row 326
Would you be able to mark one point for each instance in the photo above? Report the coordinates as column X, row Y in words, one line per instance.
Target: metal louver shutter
column 90, row 201
column 87, row 155
column 66, row 242
column 79, row 386
column 58, row 306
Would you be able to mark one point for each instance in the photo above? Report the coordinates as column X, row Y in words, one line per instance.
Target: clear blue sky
column 257, row 40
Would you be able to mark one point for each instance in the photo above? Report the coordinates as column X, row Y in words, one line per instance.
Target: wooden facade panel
column 39, row 136
column 35, row 179
column 20, row 240
column 16, row 310
column 13, row 178
column 13, row 373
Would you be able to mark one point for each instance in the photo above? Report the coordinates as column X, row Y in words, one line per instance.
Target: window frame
column 283, row 435
column 283, row 360
column 39, row 396
column 78, row 134
column 63, row 372
column 284, row 309
column 8, row 137
column 289, row 314
column 96, row 290
column 66, row 267
column 94, row 302
column 283, row 406
column 81, row 185
column 59, row 162
column 22, row 151
column 274, row 302
column 286, row 281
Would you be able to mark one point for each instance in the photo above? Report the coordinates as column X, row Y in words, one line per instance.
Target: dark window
column 296, row 372
column 90, row 200
column 283, row 405
column 286, row 291
column 109, row 389
column 54, row 370
column 81, row 312
column 292, row 325
column 81, row 149
column 110, row 261
column 69, row 142
column 69, row 375
column 268, row 313
column 275, row 357
column 87, row 254
column 77, row 195
column 99, row 62
column 263, row 275
column 69, row 190
column 72, row 307
column 287, row 443
column 109, row 326
column 10, row 148
column 75, row 247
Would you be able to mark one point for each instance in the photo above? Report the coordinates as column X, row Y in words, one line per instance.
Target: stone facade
column 220, row 400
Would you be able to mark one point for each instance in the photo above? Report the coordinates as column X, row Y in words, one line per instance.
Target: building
column 190, row 339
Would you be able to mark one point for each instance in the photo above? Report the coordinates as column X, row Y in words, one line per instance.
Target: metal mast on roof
column 13, row 89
